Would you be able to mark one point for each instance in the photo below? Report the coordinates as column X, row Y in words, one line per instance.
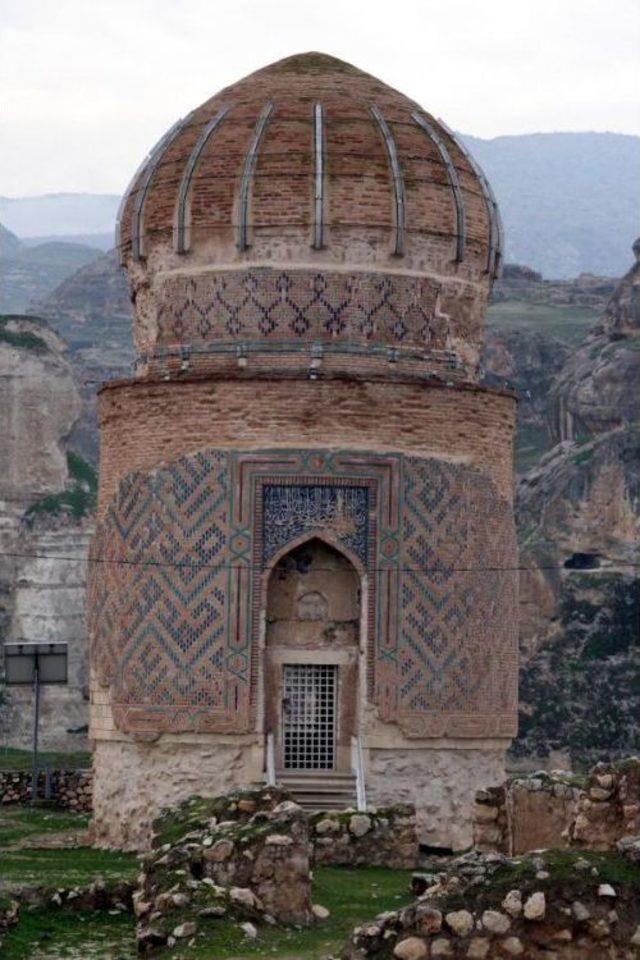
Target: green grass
column 520, row 873
column 351, row 895
column 567, row 323
column 61, row 934
column 74, row 867
column 19, row 821
column 13, row 759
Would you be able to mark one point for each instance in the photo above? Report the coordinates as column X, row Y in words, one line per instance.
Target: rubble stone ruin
column 304, row 565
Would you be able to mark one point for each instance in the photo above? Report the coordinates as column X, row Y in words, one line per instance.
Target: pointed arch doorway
column 313, row 627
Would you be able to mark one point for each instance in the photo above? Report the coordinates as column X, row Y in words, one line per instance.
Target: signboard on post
column 32, row 664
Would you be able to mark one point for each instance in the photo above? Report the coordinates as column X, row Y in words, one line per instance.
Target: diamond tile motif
column 289, row 305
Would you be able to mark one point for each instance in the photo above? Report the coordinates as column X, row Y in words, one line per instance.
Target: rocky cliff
column 46, row 502
column 578, row 515
column 92, row 312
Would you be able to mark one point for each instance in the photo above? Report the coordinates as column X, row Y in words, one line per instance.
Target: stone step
column 315, row 790
column 322, row 779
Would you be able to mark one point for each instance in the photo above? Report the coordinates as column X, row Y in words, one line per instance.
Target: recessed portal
column 312, row 638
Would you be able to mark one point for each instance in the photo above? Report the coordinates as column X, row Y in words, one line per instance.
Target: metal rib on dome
column 247, row 174
column 398, row 182
column 496, row 232
column 452, row 176
column 183, row 191
column 152, row 164
column 130, row 185
column 318, row 197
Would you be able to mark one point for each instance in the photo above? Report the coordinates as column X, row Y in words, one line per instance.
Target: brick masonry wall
column 143, row 424
column 182, row 554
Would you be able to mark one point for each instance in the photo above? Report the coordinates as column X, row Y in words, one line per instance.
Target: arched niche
column 313, row 616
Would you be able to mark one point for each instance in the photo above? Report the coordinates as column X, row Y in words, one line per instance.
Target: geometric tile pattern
column 267, row 304
column 157, row 596
column 458, row 664
column 177, row 598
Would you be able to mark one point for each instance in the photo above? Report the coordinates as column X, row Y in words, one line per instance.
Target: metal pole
column 34, row 777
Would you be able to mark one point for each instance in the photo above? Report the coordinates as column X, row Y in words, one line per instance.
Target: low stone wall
column 527, row 813
column 245, row 855
column 609, row 806
column 71, row 789
column 546, row 811
column 563, row 906
column 114, row 896
column 385, row 837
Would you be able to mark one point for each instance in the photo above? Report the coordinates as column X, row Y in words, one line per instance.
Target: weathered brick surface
column 187, row 295
column 291, row 388
column 143, row 424
column 359, row 186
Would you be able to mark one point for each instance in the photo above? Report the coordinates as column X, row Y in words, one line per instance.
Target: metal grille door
column 309, row 716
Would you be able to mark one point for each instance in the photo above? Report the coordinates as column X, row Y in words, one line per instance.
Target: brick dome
column 310, row 216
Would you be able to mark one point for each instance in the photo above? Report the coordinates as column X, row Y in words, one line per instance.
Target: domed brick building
column 304, row 566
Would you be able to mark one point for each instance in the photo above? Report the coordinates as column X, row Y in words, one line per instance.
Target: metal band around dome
column 153, row 162
column 318, row 196
column 398, row 182
column 452, row 176
column 494, row 257
column 185, row 183
column 247, row 173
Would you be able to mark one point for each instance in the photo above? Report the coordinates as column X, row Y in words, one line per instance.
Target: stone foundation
column 242, row 856
column 134, row 781
column 440, row 782
column 556, row 906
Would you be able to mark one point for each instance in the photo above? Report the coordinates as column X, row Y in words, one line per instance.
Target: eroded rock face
column 578, row 517
column 39, row 404
column 594, row 392
column 41, row 599
column 530, row 360
column 522, row 283
column 91, row 309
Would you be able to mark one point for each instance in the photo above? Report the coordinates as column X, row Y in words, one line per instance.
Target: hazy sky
column 87, row 86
